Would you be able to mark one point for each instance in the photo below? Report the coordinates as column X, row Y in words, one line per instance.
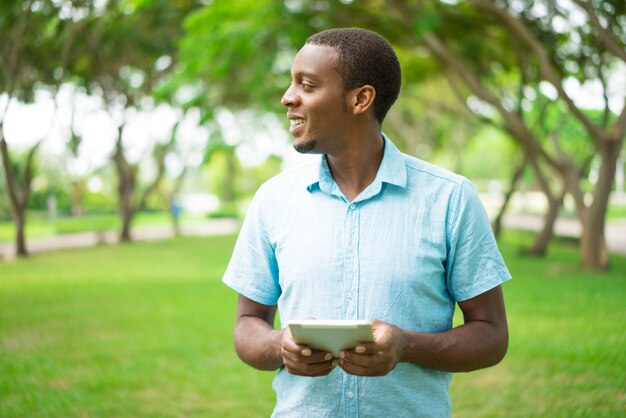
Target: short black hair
column 364, row 57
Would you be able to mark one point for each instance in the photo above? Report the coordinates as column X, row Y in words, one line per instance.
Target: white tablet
column 331, row 335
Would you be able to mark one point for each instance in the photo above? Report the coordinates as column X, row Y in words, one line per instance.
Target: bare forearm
column 258, row 343
column 472, row 346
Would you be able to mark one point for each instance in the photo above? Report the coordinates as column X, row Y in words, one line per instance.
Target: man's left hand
column 377, row 358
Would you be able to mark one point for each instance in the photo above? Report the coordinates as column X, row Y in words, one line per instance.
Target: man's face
column 316, row 101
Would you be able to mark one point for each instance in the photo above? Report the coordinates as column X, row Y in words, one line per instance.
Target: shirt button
column 352, row 206
column 350, row 395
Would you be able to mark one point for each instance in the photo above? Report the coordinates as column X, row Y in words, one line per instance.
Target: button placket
column 350, row 296
column 351, row 255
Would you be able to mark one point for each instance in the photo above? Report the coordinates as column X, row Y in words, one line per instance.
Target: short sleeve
column 253, row 270
column 474, row 264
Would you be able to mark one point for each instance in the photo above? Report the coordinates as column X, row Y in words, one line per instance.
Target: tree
column 124, row 64
column 428, row 120
column 29, row 58
column 549, row 59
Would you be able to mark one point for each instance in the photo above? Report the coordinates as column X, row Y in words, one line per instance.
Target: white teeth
column 296, row 122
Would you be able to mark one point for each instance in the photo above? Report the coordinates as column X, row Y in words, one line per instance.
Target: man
column 366, row 232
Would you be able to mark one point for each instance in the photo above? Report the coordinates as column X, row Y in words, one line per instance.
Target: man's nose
column 290, row 98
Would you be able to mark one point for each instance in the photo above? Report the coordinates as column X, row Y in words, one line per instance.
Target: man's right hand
column 301, row 360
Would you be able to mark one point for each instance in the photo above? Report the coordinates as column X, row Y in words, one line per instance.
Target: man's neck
column 355, row 168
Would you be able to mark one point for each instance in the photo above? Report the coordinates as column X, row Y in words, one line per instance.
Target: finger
column 316, row 357
column 289, row 355
column 315, row 369
column 289, row 344
column 360, row 359
column 313, row 357
column 361, row 370
column 353, row 368
column 315, row 354
column 302, row 373
column 292, row 346
column 321, row 356
column 367, row 348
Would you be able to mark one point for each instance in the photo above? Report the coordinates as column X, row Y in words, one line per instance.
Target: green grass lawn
column 145, row 330
column 567, row 348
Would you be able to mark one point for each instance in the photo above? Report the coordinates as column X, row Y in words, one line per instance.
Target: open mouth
column 296, row 122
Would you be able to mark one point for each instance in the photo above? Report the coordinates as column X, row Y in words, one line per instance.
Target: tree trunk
column 14, row 196
column 127, row 216
column 20, row 234
column 497, row 222
column 18, row 194
column 593, row 251
column 228, row 187
column 76, row 196
column 593, row 248
column 545, row 235
column 543, row 238
column 125, row 187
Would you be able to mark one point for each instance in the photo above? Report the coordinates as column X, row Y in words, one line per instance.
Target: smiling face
column 317, row 101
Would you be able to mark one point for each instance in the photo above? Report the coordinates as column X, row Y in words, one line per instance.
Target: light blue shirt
column 413, row 243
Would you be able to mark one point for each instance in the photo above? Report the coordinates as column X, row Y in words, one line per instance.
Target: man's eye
column 306, row 86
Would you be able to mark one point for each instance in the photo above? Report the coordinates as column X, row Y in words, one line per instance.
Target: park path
column 615, row 234
column 141, row 233
column 615, row 231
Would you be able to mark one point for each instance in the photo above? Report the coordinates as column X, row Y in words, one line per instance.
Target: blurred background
column 133, row 134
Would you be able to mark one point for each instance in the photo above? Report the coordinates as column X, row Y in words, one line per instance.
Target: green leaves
column 231, row 48
column 426, row 21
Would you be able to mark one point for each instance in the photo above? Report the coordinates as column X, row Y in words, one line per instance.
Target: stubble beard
column 305, row 147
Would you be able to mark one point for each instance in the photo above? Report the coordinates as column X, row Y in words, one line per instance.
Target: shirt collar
column 392, row 170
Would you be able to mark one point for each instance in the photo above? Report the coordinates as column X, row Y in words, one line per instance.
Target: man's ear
column 363, row 99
